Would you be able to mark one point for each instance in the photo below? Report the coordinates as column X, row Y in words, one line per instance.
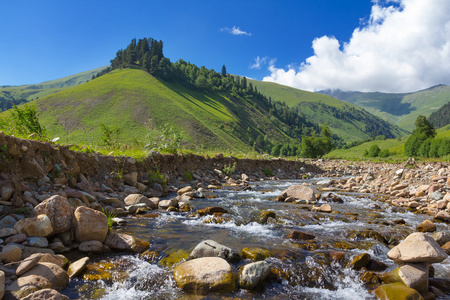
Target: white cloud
column 235, row 31
column 258, row 62
column 403, row 47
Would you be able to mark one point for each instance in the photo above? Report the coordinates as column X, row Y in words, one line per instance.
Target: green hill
column 346, row 120
column 441, row 117
column 136, row 102
column 24, row 93
column 400, row 109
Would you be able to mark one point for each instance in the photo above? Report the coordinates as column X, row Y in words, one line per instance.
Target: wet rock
column 210, row 248
column 298, row 235
column 441, row 237
column 367, row 234
column 173, row 258
column 375, row 265
column 90, row 225
column 37, row 226
column 299, row 192
column 416, row 248
column 204, row 275
column 441, row 283
column 211, row 210
column 165, row 204
column 125, row 242
column 415, row 276
column 359, row 261
column 10, row 253
column 76, row 268
column 443, row 216
column 138, row 198
column 446, row 247
column 426, row 226
column 91, row 246
column 58, row 210
column 326, row 208
column 397, row 291
column 265, row 215
column 43, row 275
column 36, row 241
column 46, row 294
column 7, row 222
column 184, row 190
column 255, row 254
column 253, row 274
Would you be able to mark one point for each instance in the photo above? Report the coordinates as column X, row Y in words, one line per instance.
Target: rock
column 125, row 242
column 2, row 284
column 298, row 235
column 359, row 261
column 440, row 283
column 441, row 237
column 46, row 294
column 43, row 275
column 137, row 198
column 184, row 190
column 265, row 215
column 299, row 192
column 375, row 265
column 90, row 225
column 211, row 210
column 131, row 178
column 416, row 248
column 10, row 253
column 326, row 208
column 436, row 196
column 76, row 268
column 210, row 248
column 7, row 232
column 18, row 238
column 58, row 247
column 443, row 216
column 7, row 222
column 36, row 241
column 37, row 226
column 446, row 247
column 203, row 275
column 426, row 226
column 6, row 192
column 59, row 260
column 59, row 211
column 397, row 291
column 27, row 264
column 28, row 251
column 165, row 204
column 255, row 254
column 91, row 246
column 415, row 276
column 253, row 274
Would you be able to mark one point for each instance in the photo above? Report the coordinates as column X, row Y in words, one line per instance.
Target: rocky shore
column 57, row 207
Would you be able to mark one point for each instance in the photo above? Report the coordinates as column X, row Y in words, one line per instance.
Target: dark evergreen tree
column 224, row 71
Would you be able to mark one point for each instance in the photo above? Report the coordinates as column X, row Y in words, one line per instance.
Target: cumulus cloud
column 258, row 62
column 235, row 31
column 404, row 46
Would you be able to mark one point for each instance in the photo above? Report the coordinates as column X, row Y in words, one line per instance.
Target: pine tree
column 224, row 71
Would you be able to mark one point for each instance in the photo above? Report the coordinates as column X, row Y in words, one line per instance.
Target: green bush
column 384, row 153
column 24, row 121
column 229, row 169
column 110, row 136
column 166, row 139
column 373, row 151
column 155, row 176
column 267, row 171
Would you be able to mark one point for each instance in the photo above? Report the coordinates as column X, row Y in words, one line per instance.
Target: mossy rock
column 308, row 246
column 175, row 256
column 148, row 255
column 397, row 291
column 255, row 254
column 265, row 215
column 391, row 277
column 367, row 234
column 344, row 245
column 359, row 261
column 105, row 270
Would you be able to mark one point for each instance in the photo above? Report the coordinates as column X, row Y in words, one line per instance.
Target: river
column 304, row 269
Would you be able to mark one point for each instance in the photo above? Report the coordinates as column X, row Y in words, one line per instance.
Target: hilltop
column 400, row 109
column 346, row 120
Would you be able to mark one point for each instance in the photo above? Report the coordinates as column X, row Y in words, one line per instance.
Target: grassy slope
column 320, row 108
column 401, row 109
column 133, row 100
column 34, row 91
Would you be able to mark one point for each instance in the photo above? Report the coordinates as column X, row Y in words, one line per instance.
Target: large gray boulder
column 37, row 226
column 90, row 225
column 210, row 248
column 253, row 274
column 138, row 198
column 299, row 192
column 415, row 276
column 417, row 248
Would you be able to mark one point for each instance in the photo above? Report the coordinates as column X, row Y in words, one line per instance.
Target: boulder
column 90, row 225
column 164, row 204
column 91, row 246
column 203, row 275
column 255, row 254
column 211, row 210
column 326, row 208
column 37, row 241
column 7, row 222
column 416, row 248
column 7, row 232
column 443, row 216
column 125, row 242
column 76, row 268
column 37, row 226
column 43, row 275
column 131, row 178
column 46, row 294
column 298, row 235
column 359, row 261
column 441, row 237
column 10, row 253
column 59, row 211
column 210, row 248
column 18, row 238
column 27, row 264
column 397, row 291
column 265, row 215
column 415, row 276
column 59, row 260
column 253, row 274
column 133, row 199
column 299, row 192
column 184, row 190
column 426, row 226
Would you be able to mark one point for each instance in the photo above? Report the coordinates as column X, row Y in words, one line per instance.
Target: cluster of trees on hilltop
column 147, row 54
column 441, row 117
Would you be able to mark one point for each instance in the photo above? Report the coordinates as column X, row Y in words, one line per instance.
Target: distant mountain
column 344, row 119
column 441, row 117
column 400, row 109
column 24, row 93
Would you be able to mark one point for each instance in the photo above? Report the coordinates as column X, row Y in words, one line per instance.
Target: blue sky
column 297, row 42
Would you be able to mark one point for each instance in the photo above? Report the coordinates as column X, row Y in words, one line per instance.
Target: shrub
column 110, row 135
column 24, row 121
column 267, row 171
column 229, row 169
column 156, row 177
column 166, row 139
column 384, row 153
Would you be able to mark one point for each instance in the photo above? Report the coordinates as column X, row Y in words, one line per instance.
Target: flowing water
column 304, row 269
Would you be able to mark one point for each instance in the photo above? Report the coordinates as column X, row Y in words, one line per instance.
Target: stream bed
column 300, row 269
